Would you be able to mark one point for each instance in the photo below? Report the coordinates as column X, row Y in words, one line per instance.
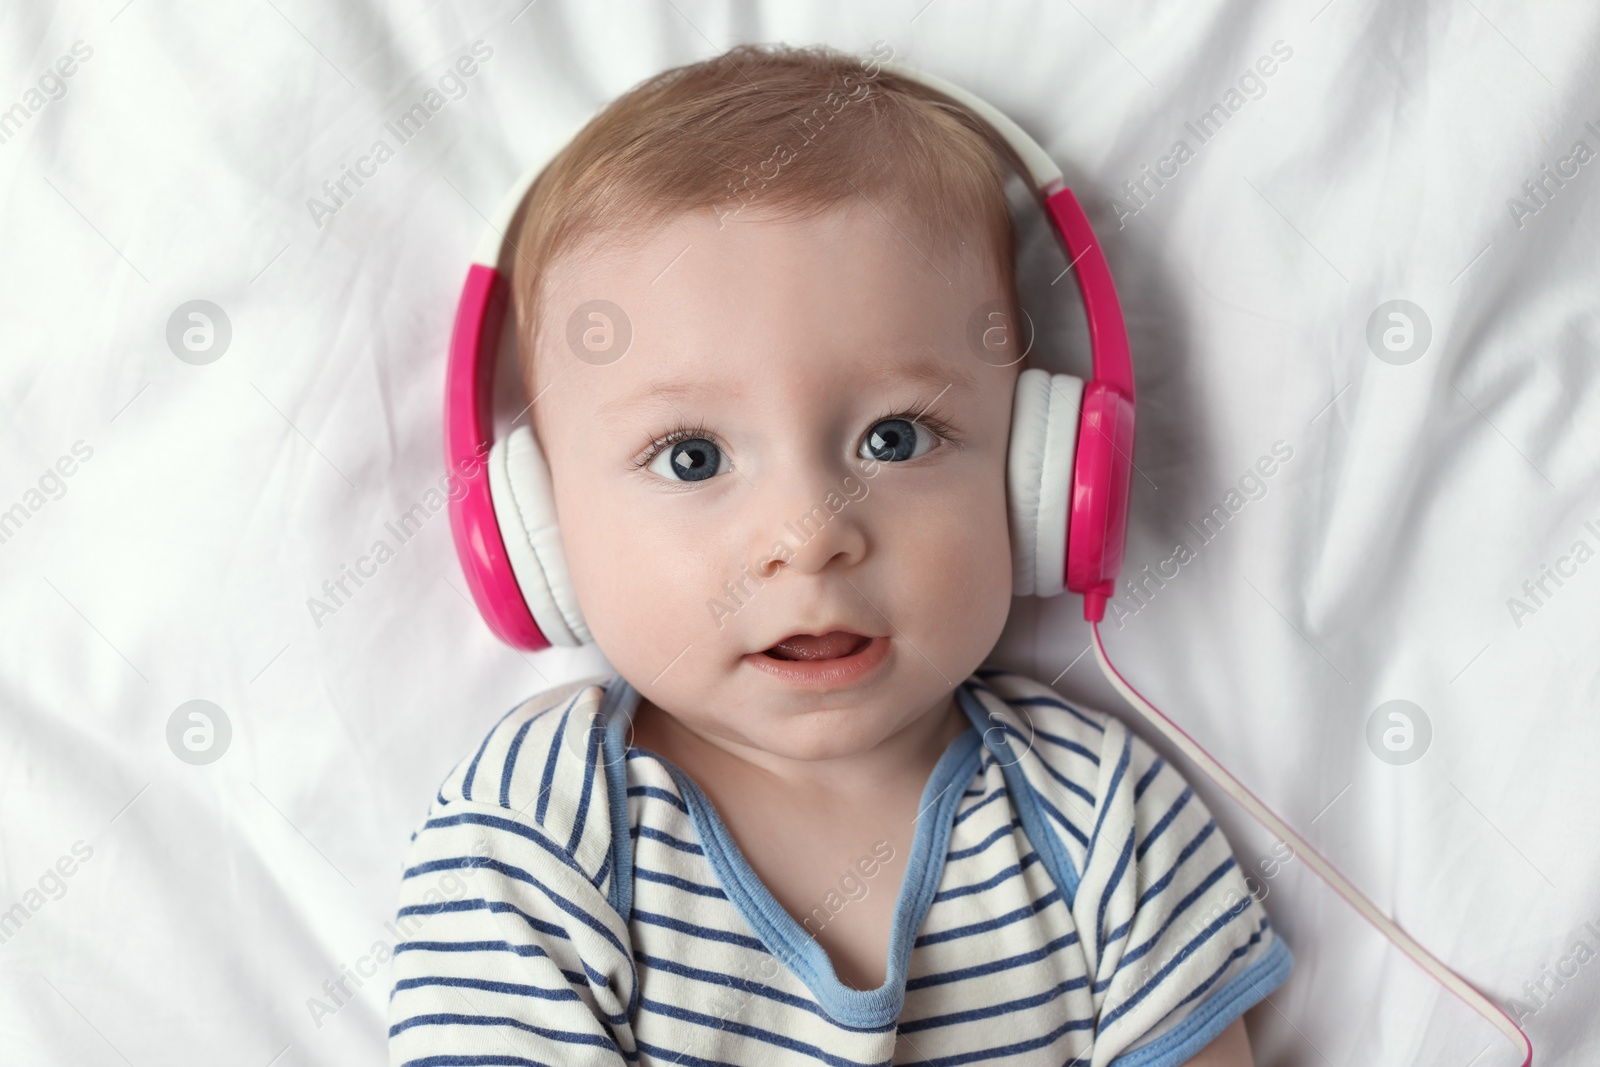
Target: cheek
column 643, row 583
column 953, row 548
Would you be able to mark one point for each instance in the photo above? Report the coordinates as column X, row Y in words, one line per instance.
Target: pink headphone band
column 1103, row 469
column 468, row 432
column 1098, row 504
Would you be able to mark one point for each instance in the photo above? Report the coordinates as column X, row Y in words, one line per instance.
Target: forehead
column 740, row 308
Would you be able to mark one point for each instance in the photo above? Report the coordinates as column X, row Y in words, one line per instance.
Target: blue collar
column 874, row 1009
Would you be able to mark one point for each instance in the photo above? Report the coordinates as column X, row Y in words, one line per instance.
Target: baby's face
column 840, row 466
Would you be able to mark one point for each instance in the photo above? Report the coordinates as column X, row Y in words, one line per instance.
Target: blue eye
column 895, row 440
column 691, row 460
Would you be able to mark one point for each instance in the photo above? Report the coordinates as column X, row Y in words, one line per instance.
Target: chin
column 833, row 734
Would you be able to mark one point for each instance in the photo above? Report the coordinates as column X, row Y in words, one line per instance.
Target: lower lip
column 824, row 673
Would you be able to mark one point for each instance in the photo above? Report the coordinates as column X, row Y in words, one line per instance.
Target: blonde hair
column 784, row 131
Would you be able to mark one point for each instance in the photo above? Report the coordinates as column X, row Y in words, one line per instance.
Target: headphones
column 1067, row 469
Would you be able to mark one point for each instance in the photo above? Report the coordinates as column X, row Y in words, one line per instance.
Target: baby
column 801, row 824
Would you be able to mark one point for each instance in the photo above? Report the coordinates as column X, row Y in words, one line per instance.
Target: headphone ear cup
column 1101, row 486
column 525, row 508
column 1039, row 478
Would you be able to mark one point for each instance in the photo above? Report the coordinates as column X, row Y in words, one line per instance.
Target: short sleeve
column 1177, row 945
column 509, row 950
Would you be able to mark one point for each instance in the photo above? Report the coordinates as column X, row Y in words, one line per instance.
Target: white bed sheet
column 209, row 905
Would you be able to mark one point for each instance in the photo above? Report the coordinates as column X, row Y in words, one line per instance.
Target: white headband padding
column 1042, row 170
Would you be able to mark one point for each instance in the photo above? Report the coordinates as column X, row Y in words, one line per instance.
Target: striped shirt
column 571, row 899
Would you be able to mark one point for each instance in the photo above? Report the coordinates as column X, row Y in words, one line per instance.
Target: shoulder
column 536, row 784
column 496, row 770
column 1093, row 748
column 1173, row 932
column 1033, row 701
column 1083, row 766
column 1065, row 740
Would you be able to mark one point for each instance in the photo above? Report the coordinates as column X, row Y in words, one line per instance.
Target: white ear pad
column 525, row 508
column 1045, row 414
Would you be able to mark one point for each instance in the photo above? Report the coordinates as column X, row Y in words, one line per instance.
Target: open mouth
column 836, row 644
column 822, row 662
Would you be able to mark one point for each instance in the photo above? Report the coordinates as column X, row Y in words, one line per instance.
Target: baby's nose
column 811, row 524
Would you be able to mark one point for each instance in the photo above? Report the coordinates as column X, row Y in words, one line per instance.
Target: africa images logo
column 451, row 85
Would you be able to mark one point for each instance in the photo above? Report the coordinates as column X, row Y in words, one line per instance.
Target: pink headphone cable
column 1341, row 885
